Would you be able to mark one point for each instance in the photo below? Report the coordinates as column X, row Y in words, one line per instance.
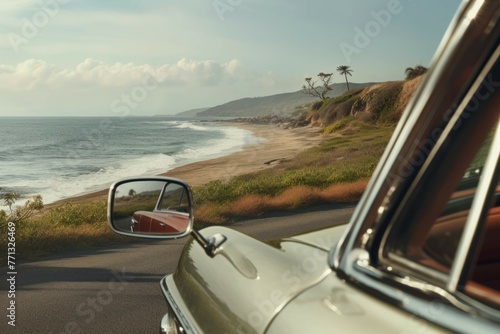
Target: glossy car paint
column 334, row 306
column 160, row 222
column 292, row 282
column 243, row 287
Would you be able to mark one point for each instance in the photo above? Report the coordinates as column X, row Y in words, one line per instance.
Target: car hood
column 248, row 282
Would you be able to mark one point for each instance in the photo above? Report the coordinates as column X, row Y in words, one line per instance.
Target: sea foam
column 155, row 147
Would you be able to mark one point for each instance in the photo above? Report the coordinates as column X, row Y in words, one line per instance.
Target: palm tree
column 345, row 70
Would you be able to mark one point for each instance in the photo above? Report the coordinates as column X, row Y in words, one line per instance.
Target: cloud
column 14, row 6
column 38, row 74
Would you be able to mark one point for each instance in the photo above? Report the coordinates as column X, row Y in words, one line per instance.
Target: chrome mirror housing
column 157, row 207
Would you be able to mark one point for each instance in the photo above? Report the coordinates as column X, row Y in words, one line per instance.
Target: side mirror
column 156, row 207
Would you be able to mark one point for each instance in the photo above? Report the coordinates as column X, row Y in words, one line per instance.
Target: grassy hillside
column 280, row 104
column 357, row 126
column 381, row 103
column 191, row 113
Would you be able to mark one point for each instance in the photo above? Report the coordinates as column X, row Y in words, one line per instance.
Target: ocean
column 61, row 157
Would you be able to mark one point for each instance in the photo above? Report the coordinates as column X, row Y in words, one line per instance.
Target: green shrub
column 352, row 95
column 316, row 105
column 338, row 125
column 384, row 102
column 70, row 214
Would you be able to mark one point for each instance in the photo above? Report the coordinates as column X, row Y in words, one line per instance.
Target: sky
column 121, row 57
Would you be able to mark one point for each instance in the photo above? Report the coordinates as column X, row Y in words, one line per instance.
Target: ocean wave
column 161, row 122
column 234, row 140
column 58, row 171
column 189, row 125
column 54, row 188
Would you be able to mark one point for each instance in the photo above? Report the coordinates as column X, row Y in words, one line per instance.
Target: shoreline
column 280, row 144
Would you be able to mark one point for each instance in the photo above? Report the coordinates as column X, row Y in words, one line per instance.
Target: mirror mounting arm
column 210, row 245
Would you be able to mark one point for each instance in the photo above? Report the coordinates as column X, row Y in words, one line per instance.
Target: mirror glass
column 150, row 207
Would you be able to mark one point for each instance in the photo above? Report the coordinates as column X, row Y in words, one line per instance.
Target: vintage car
column 159, row 222
column 421, row 252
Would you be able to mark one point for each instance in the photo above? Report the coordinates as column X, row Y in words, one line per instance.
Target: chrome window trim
column 463, row 314
column 179, row 315
column 160, row 199
column 400, row 263
column 409, row 264
column 478, row 210
column 360, row 270
column 445, row 53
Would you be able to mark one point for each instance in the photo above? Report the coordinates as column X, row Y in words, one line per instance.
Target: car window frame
column 470, row 34
column 475, row 29
column 409, row 291
column 474, row 226
column 453, row 286
column 182, row 198
column 404, row 264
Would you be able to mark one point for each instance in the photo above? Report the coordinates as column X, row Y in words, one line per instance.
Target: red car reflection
column 159, row 222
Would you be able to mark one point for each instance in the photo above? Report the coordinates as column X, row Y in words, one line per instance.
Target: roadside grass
column 290, row 199
column 335, row 171
column 66, row 227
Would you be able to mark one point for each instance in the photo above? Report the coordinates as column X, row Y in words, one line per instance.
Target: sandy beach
column 280, row 144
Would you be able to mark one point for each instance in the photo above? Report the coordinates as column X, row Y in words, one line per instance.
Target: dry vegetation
column 292, row 198
column 68, row 226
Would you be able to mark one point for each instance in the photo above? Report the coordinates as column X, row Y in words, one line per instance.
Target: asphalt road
column 116, row 289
